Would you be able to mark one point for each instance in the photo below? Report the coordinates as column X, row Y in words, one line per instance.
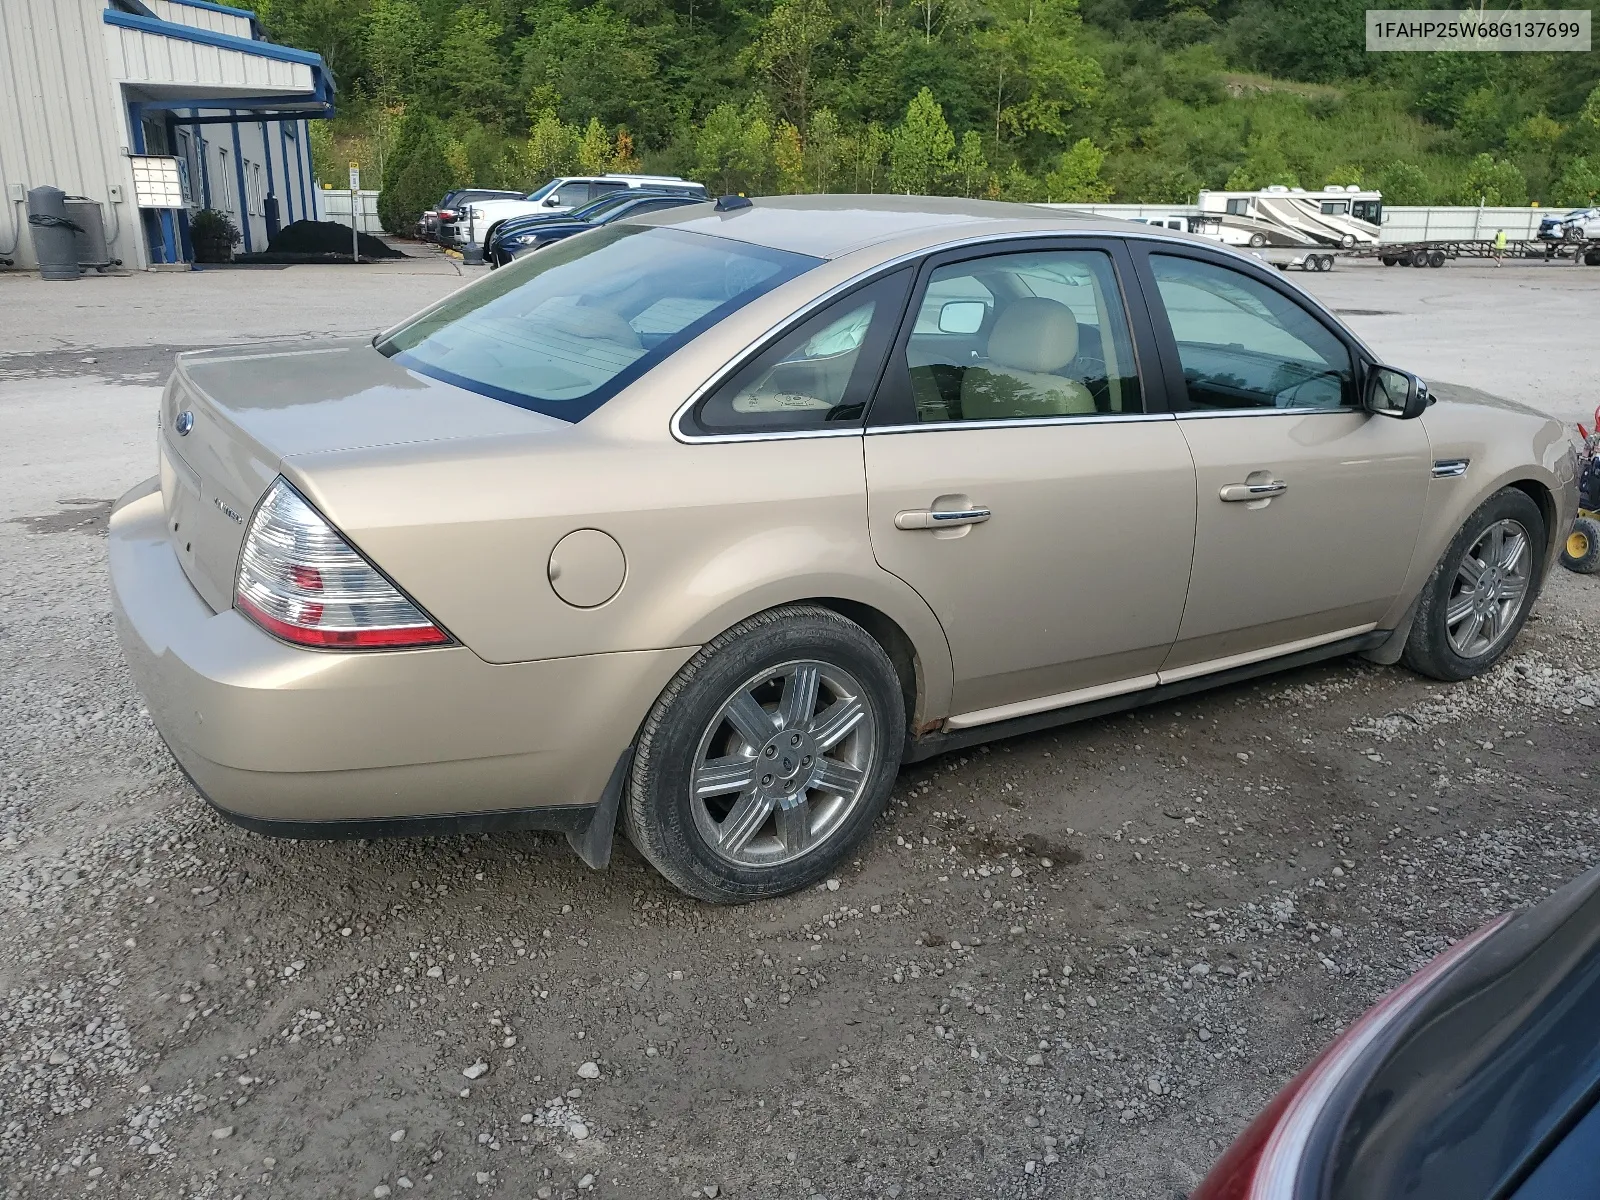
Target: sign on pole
column 355, row 211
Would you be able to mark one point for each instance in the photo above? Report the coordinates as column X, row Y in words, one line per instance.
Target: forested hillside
column 1136, row 100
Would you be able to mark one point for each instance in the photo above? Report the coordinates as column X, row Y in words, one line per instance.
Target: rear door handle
column 1234, row 493
column 940, row 518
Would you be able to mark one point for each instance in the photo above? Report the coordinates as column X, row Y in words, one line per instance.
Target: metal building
column 99, row 97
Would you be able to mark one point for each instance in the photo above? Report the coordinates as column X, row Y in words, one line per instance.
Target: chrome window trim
column 1025, row 422
column 1301, row 411
column 680, row 434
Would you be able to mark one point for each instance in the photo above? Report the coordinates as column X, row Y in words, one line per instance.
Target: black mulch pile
column 317, row 241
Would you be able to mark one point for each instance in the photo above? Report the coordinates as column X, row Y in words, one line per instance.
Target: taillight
column 1264, row 1161
column 300, row 581
column 447, row 214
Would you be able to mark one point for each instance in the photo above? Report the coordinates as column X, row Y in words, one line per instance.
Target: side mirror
column 551, row 201
column 1395, row 393
column 962, row 316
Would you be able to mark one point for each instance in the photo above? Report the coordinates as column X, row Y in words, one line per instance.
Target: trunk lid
column 230, row 417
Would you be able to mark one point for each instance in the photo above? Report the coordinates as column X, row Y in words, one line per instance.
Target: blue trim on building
column 205, row 37
column 218, row 8
column 300, row 170
column 205, row 164
column 169, row 241
column 255, row 103
column 272, row 184
column 244, row 192
column 288, row 189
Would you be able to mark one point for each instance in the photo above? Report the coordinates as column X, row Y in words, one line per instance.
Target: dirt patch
column 79, row 516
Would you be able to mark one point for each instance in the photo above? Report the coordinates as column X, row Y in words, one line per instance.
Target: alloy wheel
column 1491, row 586
column 783, row 763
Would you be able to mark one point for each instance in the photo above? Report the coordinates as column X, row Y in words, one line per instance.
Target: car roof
column 832, row 226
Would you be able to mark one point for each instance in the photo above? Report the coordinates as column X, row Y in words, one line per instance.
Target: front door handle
column 940, row 518
column 1234, row 493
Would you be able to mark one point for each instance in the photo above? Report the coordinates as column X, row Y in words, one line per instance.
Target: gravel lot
column 1072, row 964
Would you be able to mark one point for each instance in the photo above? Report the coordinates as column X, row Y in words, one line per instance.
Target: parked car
column 524, row 235
column 560, row 196
column 716, row 516
column 428, row 226
column 1476, row 1078
column 1582, row 226
column 586, row 213
column 1550, row 226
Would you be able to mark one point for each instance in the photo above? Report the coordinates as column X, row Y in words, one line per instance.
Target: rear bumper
column 306, row 742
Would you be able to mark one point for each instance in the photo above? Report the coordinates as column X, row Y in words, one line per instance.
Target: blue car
column 1477, row 1079
column 523, row 235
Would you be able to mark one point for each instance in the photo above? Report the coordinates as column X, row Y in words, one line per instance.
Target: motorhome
column 1342, row 216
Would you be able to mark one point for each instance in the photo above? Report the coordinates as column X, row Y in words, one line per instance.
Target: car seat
column 1032, row 339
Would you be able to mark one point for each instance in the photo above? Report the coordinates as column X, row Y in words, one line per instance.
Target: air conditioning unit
column 90, row 238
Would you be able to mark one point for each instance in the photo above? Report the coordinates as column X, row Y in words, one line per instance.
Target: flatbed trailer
column 1428, row 254
column 1437, row 253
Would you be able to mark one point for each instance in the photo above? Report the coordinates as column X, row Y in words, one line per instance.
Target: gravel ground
column 1071, row 964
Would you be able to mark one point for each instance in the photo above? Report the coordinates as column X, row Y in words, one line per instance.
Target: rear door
column 1022, row 477
column 1308, row 507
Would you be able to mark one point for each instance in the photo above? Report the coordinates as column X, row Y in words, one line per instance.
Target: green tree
column 1492, row 182
column 972, row 168
column 1264, row 165
column 552, row 150
column 471, row 70
column 787, row 51
column 595, row 150
column 1019, row 186
column 420, row 177
column 823, row 145
column 1404, row 183
column 788, row 160
column 593, row 62
column 1578, row 186
column 1076, row 176
column 733, row 148
column 920, row 148
column 396, row 48
column 872, row 149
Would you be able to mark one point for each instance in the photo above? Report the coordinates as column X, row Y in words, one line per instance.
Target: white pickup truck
column 479, row 218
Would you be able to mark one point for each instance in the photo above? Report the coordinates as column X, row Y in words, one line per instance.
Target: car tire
column 811, row 789
column 1258, row 240
column 1581, row 553
column 1451, row 637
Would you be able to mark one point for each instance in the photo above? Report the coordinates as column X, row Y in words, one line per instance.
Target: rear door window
column 1022, row 335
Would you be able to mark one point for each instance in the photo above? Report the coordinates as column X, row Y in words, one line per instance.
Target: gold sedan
column 709, row 520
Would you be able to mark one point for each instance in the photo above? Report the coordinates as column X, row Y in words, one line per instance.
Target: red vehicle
column 1476, row 1079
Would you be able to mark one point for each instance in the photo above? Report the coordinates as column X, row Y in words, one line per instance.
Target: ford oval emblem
column 184, row 423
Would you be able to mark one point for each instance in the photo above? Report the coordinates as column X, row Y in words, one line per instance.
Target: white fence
column 1439, row 224
column 1401, row 223
column 336, row 207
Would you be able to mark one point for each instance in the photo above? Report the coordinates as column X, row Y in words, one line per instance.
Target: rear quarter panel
column 711, row 534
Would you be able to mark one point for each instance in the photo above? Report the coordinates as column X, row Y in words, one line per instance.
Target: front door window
column 1244, row 344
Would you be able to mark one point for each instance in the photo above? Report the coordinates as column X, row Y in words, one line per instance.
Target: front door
column 1308, row 507
column 1018, row 481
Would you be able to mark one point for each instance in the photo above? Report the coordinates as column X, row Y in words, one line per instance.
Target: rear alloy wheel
column 1480, row 593
column 769, row 756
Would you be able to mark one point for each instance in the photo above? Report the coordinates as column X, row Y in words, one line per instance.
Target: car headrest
column 1034, row 334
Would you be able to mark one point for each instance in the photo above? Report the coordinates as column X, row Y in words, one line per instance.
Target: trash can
column 53, row 234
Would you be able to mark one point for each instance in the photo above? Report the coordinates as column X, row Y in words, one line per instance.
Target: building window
column 224, row 182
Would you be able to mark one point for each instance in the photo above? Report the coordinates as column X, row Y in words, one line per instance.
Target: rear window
column 564, row 330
